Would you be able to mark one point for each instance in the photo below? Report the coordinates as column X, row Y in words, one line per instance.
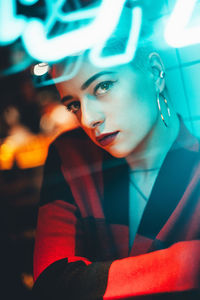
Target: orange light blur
column 28, row 150
column 29, row 155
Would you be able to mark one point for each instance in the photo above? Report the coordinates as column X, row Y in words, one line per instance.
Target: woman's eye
column 73, row 106
column 103, row 87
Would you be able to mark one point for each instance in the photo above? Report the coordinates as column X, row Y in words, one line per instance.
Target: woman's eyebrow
column 86, row 84
column 66, row 98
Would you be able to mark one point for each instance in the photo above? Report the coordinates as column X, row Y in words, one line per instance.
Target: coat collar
column 168, row 189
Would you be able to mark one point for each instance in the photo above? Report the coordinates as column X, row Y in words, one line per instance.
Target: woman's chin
column 119, row 153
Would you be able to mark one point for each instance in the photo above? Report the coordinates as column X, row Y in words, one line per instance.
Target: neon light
column 82, row 14
column 176, row 33
column 40, row 69
column 28, row 2
column 34, row 32
column 55, row 12
column 17, row 68
column 11, row 25
column 129, row 53
column 75, row 41
column 104, row 19
column 53, row 8
column 69, row 73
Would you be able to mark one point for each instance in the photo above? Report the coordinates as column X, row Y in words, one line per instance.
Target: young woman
column 119, row 214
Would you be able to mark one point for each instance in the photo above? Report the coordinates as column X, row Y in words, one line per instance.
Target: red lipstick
column 106, row 138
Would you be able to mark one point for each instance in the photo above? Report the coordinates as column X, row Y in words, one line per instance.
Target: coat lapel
column 170, row 185
column 116, row 192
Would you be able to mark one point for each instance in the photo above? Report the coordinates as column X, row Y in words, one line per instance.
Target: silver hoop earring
column 162, row 74
column 159, row 107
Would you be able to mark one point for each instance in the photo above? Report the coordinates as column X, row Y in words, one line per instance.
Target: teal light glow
column 177, row 32
column 128, row 55
column 53, row 12
column 34, row 32
column 82, row 14
column 74, row 41
column 28, row 2
column 11, row 25
column 69, row 73
column 17, row 68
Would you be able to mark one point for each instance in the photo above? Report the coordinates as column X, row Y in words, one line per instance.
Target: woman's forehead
column 86, row 71
column 82, row 65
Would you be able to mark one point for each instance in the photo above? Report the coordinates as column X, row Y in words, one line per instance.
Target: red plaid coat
column 82, row 241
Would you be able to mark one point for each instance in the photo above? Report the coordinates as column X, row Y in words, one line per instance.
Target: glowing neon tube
column 128, row 55
column 177, row 34
column 43, row 49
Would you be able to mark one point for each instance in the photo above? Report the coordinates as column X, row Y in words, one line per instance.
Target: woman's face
column 116, row 107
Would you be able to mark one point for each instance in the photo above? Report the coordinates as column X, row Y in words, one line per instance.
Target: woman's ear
column 157, row 69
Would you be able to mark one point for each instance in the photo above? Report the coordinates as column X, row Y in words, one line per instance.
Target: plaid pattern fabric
column 82, row 241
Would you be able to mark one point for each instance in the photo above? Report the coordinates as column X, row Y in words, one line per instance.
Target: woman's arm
column 66, row 276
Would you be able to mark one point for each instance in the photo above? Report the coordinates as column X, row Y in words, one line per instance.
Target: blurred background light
column 131, row 45
column 28, row 2
column 11, row 24
column 87, row 36
column 40, row 69
column 179, row 31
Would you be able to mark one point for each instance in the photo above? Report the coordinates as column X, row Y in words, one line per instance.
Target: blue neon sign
column 104, row 19
column 178, row 33
column 74, row 41
column 34, row 32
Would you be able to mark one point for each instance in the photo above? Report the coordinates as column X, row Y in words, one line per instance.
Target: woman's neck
column 146, row 162
column 150, row 154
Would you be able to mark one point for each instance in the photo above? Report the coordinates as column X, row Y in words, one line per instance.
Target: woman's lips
column 106, row 139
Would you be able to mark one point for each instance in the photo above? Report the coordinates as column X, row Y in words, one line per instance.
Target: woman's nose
column 91, row 113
